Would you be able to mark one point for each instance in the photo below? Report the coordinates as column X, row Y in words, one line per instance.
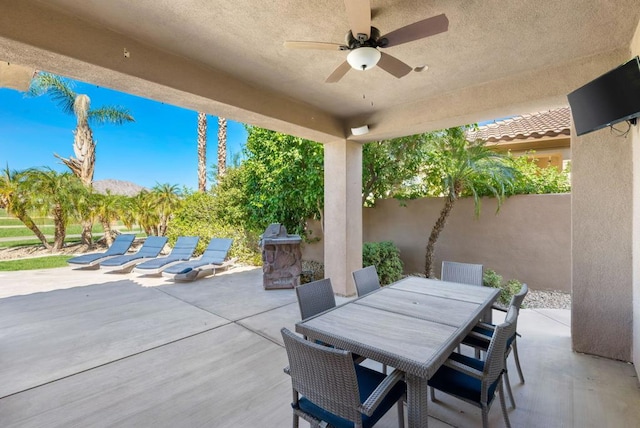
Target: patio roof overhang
column 496, row 59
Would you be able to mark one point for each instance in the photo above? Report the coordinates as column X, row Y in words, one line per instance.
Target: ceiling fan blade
column 393, row 65
column 359, row 16
column 327, row 46
column 418, row 30
column 338, row 73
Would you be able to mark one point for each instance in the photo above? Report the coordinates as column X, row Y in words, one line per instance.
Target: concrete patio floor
column 92, row 349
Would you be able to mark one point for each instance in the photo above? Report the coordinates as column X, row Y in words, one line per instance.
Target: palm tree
column 458, row 167
column 166, row 198
column 222, row 146
column 202, row 152
column 84, row 146
column 55, row 194
column 15, row 198
column 107, row 209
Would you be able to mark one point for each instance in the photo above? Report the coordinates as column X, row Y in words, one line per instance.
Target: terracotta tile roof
column 535, row 125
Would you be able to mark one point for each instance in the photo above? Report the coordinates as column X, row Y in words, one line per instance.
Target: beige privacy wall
column 529, row 239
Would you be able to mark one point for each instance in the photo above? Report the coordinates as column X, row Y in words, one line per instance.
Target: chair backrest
column 217, row 250
column 465, row 273
column 185, row 246
column 121, row 244
column 516, row 299
column 152, row 246
column 366, row 280
column 494, row 362
column 315, row 297
column 326, row 376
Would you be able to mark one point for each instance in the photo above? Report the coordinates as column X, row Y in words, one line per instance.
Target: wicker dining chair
column 329, row 388
column 476, row 381
column 366, row 280
column 315, row 297
column 480, row 337
column 465, row 273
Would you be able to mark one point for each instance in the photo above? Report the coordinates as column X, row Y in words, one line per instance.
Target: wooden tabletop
column 412, row 325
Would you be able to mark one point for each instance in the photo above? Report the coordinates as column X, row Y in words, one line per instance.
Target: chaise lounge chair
column 120, row 246
column 182, row 251
column 149, row 250
column 213, row 258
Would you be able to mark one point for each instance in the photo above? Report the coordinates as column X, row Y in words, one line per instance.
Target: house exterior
column 543, row 136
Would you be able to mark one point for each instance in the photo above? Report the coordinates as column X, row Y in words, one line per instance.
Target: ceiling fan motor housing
column 374, row 40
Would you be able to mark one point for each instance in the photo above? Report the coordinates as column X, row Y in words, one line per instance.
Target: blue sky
column 159, row 147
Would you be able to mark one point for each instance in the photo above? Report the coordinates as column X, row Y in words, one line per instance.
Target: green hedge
column 385, row 256
column 196, row 217
column 507, row 289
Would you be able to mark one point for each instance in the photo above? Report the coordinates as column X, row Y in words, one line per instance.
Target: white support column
column 342, row 213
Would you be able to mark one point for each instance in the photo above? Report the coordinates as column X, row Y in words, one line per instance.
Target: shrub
column 311, row 271
column 507, row 290
column 196, row 217
column 385, row 256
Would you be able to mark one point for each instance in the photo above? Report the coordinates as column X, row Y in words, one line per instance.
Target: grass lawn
column 35, row 241
column 35, row 263
column 72, row 229
column 9, row 221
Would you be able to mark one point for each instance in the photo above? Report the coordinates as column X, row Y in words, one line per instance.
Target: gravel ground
column 547, row 300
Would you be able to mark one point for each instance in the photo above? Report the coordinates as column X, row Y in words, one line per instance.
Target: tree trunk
column 24, row 218
column 222, row 146
column 108, row 233
column 86, row 239
column 85, row 149
column 435, row 233
column 60, row 228
column 202, row 152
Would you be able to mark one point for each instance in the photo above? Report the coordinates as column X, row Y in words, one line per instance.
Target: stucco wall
column 635, row 142
column 529, row 239
column 602, row 206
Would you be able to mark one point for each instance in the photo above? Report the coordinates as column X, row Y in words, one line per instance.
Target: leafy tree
column 84, row 146
column 283, row 180
column 198, row 216
column 231, row 200
column 202, row 152
column 456, row 167
column 15, row 197
column 55, row 194
column 531, row 179
column 390, row 166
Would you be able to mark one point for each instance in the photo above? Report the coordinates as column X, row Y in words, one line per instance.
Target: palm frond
column 116, row 115
column 59, row 89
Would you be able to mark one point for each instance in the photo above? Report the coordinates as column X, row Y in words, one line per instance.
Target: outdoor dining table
column 412, row 325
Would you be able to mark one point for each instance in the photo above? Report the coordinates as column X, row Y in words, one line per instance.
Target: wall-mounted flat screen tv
column 607, row 100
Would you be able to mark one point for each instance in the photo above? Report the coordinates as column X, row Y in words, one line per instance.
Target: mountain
column 117, row 187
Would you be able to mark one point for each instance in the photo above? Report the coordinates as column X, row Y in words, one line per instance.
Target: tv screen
column 607, row 100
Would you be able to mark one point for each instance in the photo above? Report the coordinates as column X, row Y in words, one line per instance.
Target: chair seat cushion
column 459, row 384
column 368, row 380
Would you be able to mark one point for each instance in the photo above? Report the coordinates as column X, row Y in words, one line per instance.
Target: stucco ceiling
column 227, row 57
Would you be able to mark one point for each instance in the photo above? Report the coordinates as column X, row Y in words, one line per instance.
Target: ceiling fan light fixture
column 363, row 58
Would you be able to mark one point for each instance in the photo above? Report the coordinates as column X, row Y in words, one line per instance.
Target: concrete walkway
column 93, row 349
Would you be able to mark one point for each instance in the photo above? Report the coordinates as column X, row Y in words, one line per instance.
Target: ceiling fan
column 363, row 41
